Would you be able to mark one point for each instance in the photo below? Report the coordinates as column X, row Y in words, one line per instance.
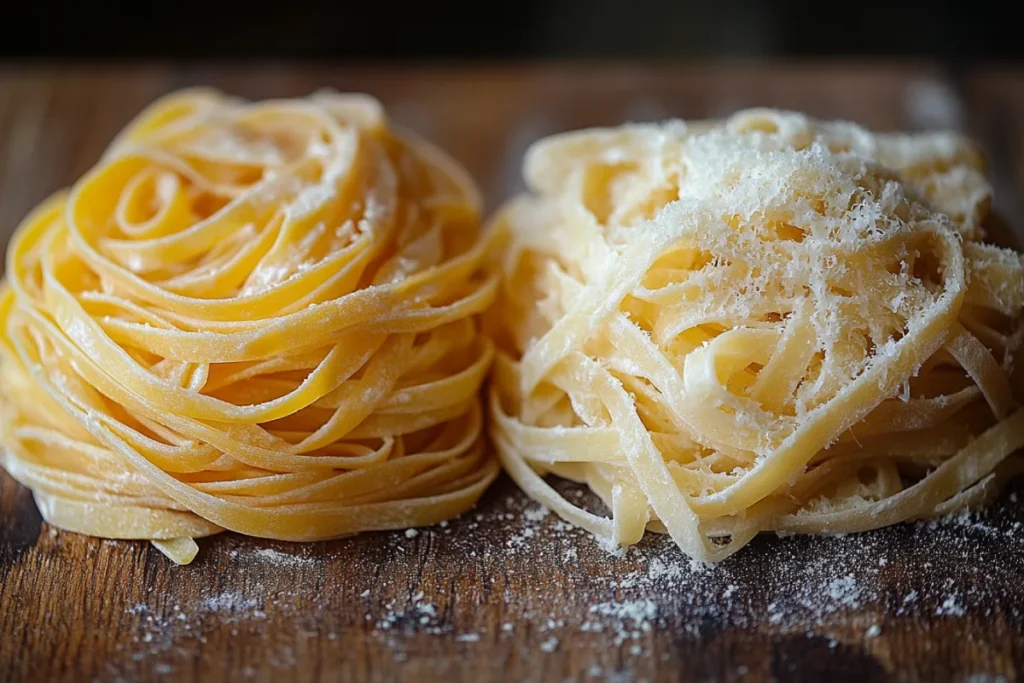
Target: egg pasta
column 259, row 317
column 762, row 323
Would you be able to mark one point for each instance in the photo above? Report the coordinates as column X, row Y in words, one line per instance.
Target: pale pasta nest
column 762, row 323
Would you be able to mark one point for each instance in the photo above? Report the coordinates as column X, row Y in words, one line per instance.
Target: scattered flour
column 283, row 559
column 554, row 585
column 845, row 591
column 950, row 607
column 535, row 514
column 630, row 619
column 231, row 603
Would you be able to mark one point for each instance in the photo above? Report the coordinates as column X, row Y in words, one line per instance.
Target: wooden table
column 507, row 593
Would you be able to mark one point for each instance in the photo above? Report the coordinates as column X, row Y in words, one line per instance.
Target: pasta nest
column 250, row 316
column 762, row 323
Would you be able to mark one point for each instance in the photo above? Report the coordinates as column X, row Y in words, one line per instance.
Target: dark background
column 515, row 30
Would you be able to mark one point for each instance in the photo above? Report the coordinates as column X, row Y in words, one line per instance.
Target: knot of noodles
column 250, row 316
column 762, row 323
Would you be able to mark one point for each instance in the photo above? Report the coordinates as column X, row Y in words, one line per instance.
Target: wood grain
column 505, row 593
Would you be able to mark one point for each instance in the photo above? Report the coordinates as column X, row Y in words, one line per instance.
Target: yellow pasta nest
column 763, row 323
column 250, row 316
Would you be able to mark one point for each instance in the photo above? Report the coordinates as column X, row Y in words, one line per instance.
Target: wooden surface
column 506, row 593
